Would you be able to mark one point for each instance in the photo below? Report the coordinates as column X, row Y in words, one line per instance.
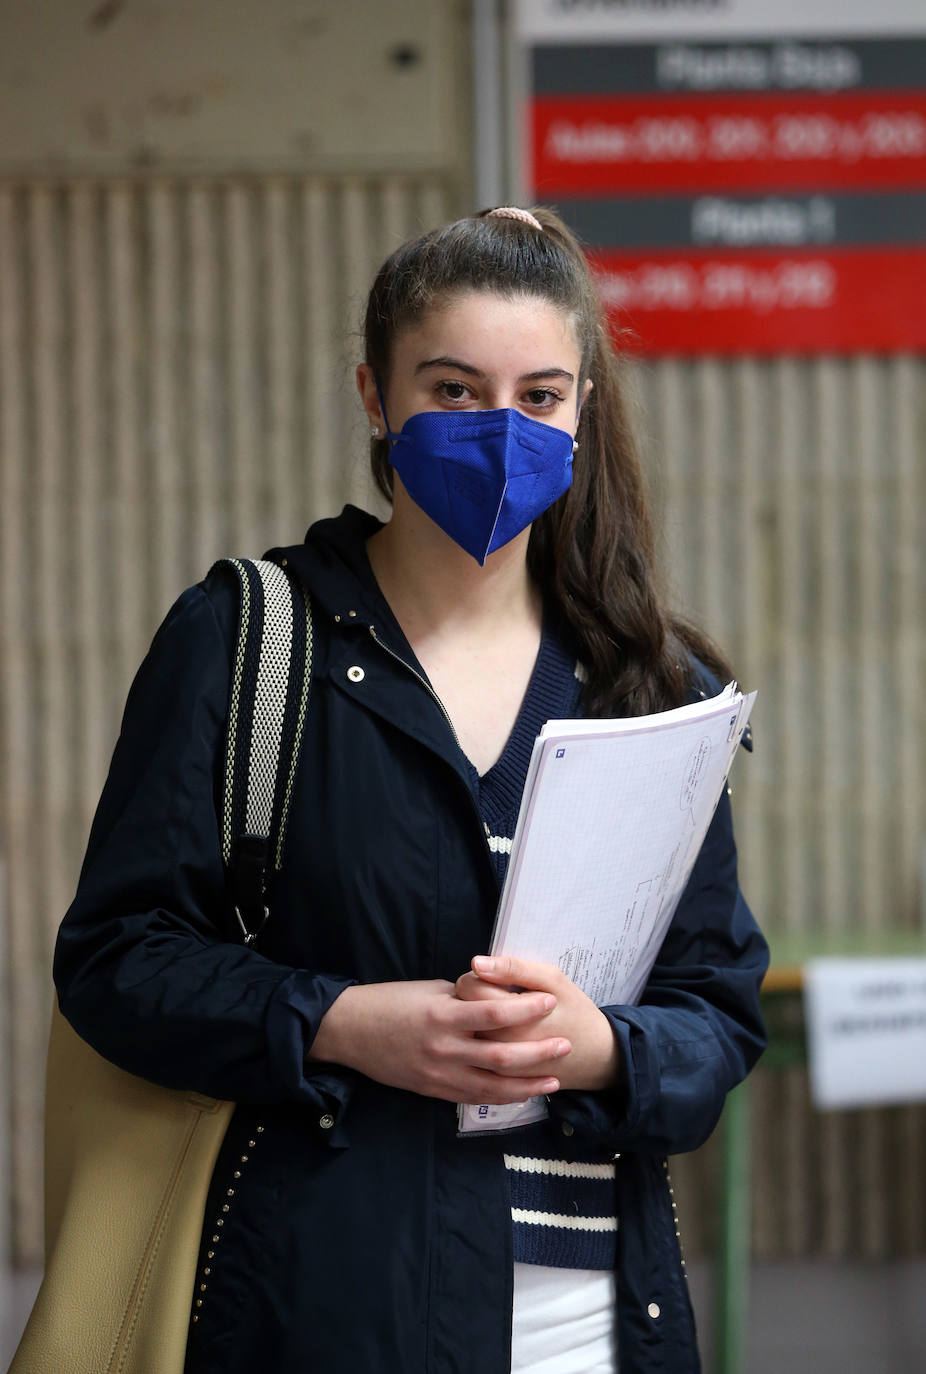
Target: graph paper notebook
column 612, row 818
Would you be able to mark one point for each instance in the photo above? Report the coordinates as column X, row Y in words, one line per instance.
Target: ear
column 366, row 385
column 583, row 397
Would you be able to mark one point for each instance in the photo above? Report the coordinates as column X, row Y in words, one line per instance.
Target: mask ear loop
column 581, row 398
column 575, row 442
column 382, row 406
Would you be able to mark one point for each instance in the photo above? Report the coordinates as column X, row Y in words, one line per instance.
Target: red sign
column 610, row 144
column 765, row 302
column 739, row 192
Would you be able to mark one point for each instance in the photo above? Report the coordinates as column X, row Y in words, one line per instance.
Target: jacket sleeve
column 142, row 970
column 698, row 1028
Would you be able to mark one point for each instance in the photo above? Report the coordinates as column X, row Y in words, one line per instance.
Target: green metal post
column 732, row 1296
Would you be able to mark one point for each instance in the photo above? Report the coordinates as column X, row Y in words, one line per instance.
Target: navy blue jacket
column 360, row 1233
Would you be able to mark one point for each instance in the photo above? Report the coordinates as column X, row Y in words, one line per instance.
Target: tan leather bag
column 127, row 1169
column 128, row 1164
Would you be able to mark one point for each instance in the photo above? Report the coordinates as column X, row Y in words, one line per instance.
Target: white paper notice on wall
column 866, row 1031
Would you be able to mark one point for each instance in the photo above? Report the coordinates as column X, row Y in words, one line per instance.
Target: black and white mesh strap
column 269, row 694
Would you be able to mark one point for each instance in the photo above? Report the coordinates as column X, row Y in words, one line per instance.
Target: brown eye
column 452, row 391
column 543, row 398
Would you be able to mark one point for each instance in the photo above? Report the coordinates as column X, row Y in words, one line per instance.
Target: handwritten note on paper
column 612, row 819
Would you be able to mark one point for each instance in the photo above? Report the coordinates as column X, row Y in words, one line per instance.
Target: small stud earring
column 575, row 445
column 374, row 432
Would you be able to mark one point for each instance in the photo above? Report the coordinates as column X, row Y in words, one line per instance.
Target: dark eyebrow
column 547, row 372
column 452, row 363
column 471, row 371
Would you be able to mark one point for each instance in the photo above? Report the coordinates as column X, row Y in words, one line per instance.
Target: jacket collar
column 333, row 565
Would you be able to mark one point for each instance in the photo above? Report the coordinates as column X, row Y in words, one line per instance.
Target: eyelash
column 551, row 397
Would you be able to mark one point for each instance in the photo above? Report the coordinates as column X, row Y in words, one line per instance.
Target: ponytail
column 592, row 552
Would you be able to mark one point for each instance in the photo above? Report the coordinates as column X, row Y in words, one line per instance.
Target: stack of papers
column 612, row 818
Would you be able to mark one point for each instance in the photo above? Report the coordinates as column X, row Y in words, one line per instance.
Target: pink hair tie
column 515, row 212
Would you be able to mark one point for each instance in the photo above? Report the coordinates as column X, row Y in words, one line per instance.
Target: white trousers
column 563, row 1321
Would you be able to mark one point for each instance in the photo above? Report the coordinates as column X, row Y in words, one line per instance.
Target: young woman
column 513, row 583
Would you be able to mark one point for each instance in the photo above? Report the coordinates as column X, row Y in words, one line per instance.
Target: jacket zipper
column 443, row 710
column 423, row 680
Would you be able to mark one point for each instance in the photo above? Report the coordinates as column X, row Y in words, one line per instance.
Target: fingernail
column 562, row 1048
column 550, row 1085
column 483, row 964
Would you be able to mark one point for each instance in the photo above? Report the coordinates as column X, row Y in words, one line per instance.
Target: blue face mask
column 482, row 475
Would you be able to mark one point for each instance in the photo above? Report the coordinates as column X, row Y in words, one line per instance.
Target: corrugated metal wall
column 176, row 383
column 794, row 495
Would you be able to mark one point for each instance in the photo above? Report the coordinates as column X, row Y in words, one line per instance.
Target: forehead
column 490, row 328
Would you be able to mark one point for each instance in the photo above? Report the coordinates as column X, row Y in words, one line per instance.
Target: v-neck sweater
column 562, row 1193
column 562, row 1196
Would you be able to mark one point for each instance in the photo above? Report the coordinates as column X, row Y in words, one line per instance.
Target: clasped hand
column 590, row 1061
column 509, row 1030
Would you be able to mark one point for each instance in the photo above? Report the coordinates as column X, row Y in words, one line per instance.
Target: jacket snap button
column 326, row 1121
column 567, row 1128
column 356, row 674
column 653, row 1310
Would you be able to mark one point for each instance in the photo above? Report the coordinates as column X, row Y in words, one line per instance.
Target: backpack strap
column 271, row 674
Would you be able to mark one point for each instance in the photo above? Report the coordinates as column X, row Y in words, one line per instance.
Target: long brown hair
column 592, row 552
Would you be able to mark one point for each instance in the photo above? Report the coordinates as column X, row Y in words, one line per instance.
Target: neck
column 433, row 585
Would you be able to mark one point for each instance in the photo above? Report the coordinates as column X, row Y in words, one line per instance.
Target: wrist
column 597, row 1068
column 329, row 1045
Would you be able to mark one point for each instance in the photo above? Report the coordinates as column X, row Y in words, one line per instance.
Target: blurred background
column 193, row 199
